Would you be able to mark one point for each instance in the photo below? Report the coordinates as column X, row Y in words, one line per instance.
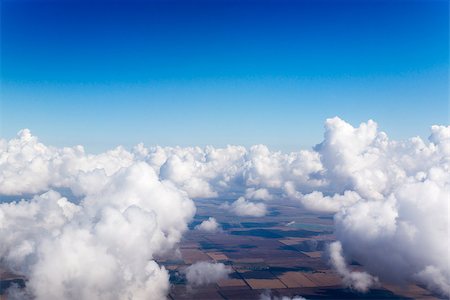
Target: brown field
column 296, row 280
column 191, row 256
column 217, row 256
column 248, row 260
column 325, row 279
column 265, row 283
column 232, row 283
column 181, row 293
column 313, row 254
column 240, row 294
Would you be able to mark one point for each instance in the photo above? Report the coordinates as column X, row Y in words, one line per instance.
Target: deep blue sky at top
column 103, row 73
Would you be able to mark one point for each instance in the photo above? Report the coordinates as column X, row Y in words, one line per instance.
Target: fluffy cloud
column 242, row 207
column 383, row 234
column 200, row 172
column 316, row 201
column 29, row 167
column 100, row 248
column 404, row 188
column 256, row 172
column 360, row 281
column 258, row 194
column 209, row 225
column 203, row 273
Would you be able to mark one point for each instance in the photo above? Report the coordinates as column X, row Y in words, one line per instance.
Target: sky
column 107, row 73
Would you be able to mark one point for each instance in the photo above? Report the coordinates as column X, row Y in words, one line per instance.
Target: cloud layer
column 387, row 196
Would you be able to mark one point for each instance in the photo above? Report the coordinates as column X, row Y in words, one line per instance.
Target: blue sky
column 103, row 73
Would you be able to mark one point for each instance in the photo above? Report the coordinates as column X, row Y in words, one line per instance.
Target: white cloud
column 316, row 201
column 258, row 194
column 200, row 172
column 383, row 235
column 242, row 207
column 28, row 166
column 204, row 273
column 405, row 204
column 360, row 281
column 434, row 279
column 101, row 248
column 209, row 225
column 389, row 197
column 253, row 172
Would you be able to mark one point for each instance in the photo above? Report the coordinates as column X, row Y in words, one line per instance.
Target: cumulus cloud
column 204, row 273
column 242, row 207
column 383, row 235
column 200, row 172
column 256, row 173
column 209, row 225
column 317, row 202
column 388, row 197
column 404, row 188
column 258, row 194
column 29, row 167
column 360, row 281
